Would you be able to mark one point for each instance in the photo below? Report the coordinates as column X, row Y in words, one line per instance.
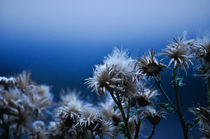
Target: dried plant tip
column 7, row 82
column 154, row 119
column 24, row 80
column 149, row 65
column 116, row 119
column 70, row 110
column 145, row 95
column 178, row 53
column 104, row 76
column 117, row 73
column 142, row 101
column 203, row 113
column 133, row 102
column 38, row 131
column 153, row 116
column 207, row 52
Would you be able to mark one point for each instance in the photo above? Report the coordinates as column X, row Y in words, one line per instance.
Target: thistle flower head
column 38, row 130
column 198, row 49
column 90, row 118
column 201, row 52
column 53, row 130
column 205, row 64
column 117, row 73
column 40, row 96
column 20, row 118
column 7, row 83
column 149, row 65
column 207, row 52
column 21, row 102
column 204, row 115
column 178, row 53
column 104, row 76
column 16, row 110
column 106, row 129
column 121, row 60
column 24, row 80
column 145, row 95
column 153, row 116
column 70, row 110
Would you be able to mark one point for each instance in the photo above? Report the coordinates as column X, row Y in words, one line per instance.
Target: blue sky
column 100, row 20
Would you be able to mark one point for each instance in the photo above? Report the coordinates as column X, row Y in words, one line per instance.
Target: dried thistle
column 24, row 80
column 7, row 83
column 149, row 65
column 144, row 96
column 38, row 131
column 117, row 73
column 201, row 52
column 69, row 110
column 22, row 102
column 153, row 116
column 178, row 53
column 203, row 114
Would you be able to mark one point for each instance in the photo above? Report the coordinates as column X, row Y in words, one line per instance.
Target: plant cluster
column 131, row 98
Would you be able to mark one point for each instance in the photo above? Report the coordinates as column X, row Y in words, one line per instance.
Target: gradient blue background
column 61, row 41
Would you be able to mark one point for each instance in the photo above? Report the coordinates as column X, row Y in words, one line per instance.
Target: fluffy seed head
column 104, row 76
column 117, row 73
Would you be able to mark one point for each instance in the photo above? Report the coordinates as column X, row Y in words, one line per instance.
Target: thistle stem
column 6, row 132
column 164, row 94
column 152, row 133
column 137, row 128
column 118, row 102
column 92, row 135
column 128, row 110
column 208, row 95
column 124, row 118
column 179, row 112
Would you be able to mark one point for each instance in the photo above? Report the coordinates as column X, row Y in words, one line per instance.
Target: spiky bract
column 178, row 52
column 117, row 73
column 149, row 65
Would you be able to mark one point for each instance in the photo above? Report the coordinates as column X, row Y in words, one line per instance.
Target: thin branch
column 164, row 94
column 128, row 109
column 179, row 112
column 6, row 132
column 123, row 115
column 92, row 135
column 208, row 95
column 137, row 128
column 153, row 132
column 118, row 102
